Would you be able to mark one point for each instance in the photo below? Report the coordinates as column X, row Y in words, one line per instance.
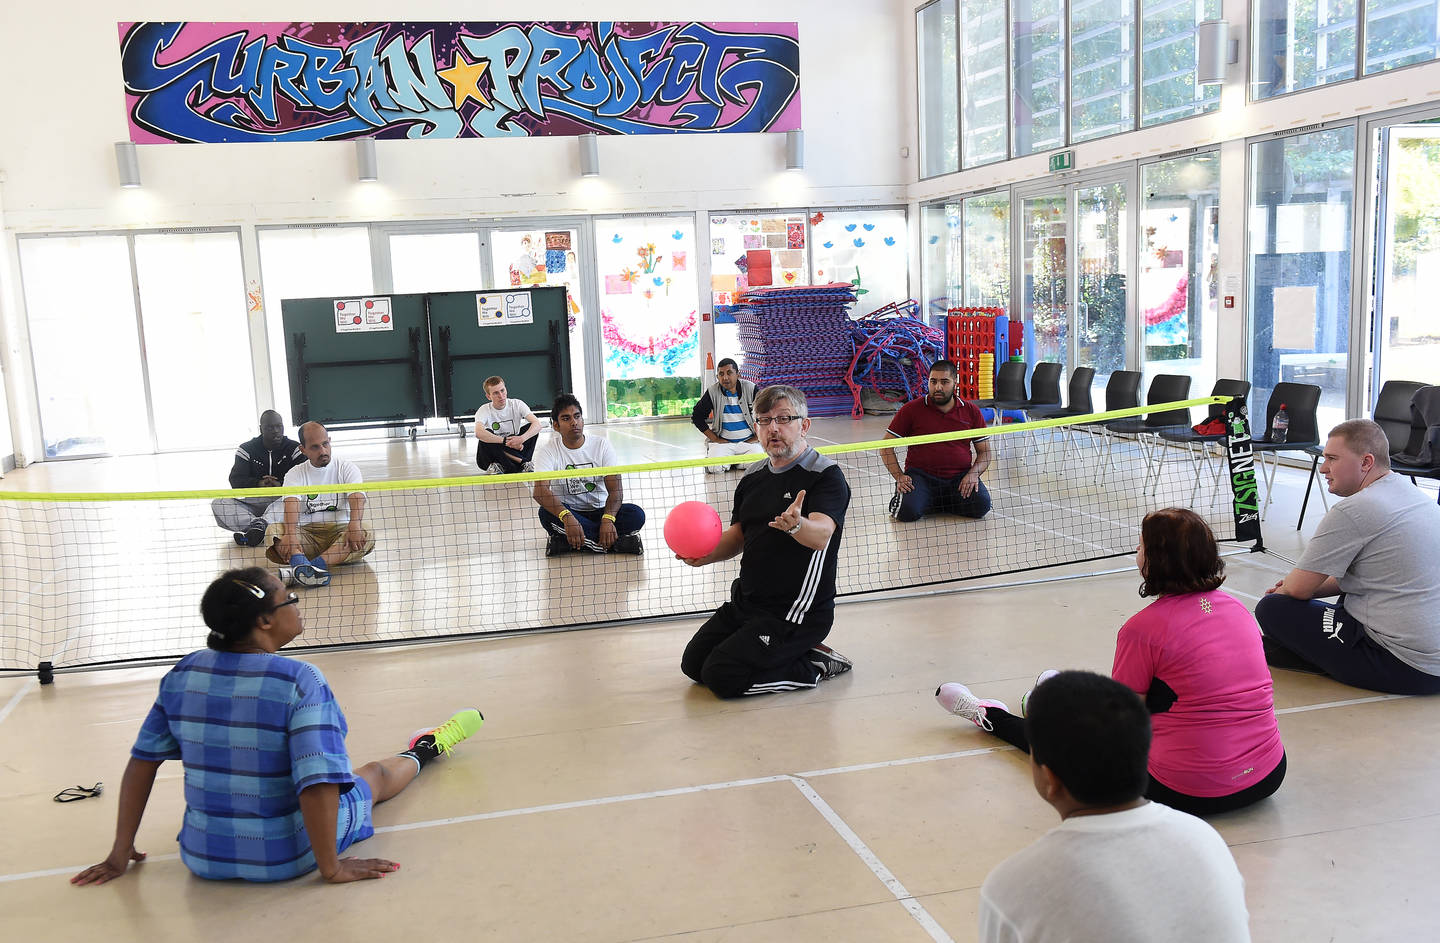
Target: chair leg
column 1267, row 473
column 1314, row 463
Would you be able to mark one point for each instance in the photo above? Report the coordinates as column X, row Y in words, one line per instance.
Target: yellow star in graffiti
column 464, row 77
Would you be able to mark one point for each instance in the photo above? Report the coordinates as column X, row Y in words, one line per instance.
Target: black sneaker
column 240, row 540
column 630, row 543
column 828, row 662
column 556, row 546
column 254, row 534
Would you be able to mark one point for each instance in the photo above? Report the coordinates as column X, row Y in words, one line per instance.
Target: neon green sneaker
column 447, row 736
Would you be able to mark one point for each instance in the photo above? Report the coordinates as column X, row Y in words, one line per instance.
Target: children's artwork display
column 648, row 315
column 1165, row 277
column 755, row 250
column 532, row 258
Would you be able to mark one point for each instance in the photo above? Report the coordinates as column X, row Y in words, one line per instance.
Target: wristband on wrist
column 564, row 513
column 608, row 517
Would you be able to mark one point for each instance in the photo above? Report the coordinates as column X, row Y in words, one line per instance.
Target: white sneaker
column 714, row 469
column 959, row 700
column 1044, row 676
column 495, row 469
column 527, row 467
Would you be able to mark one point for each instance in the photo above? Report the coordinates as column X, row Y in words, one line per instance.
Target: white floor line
column 1232, row 591
column 611, row 430
column 1357, row 700
column 14, row 699
column 582, row 803
column 873, row 862
column 76, row 869
column 884, row 764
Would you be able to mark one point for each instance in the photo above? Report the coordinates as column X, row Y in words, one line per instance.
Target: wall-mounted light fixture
column 1214, row 50
column 795, row 150
column 590, row 155
column 366, row 160
column 127, row 162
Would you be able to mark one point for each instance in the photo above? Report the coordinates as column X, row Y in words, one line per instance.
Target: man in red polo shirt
column 942, row 475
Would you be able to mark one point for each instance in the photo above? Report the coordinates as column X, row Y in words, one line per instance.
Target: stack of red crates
column 970, row 332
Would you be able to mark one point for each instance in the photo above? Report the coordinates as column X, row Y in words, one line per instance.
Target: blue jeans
column 628, row 519
column 938, row 494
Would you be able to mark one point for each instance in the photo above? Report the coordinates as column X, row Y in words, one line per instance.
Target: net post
column 46, row 673
column 1244, row 490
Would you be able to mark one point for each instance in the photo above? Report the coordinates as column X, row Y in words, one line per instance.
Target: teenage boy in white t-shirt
column 320, row 529
column 505, row 432
column 1118, row 868
column 583, row 513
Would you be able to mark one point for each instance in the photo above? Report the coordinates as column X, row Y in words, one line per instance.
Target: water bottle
column 1280, row 427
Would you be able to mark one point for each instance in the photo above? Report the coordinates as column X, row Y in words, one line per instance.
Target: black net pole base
column 46, row 673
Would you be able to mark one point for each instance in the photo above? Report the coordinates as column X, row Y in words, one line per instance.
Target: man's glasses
column 782, row 420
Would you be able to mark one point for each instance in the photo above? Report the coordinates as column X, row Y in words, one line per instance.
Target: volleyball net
column 101, row 579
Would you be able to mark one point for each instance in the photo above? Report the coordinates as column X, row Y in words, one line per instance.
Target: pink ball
column 692, row 529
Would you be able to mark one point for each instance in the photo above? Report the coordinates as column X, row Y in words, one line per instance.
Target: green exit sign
column 1065, row 160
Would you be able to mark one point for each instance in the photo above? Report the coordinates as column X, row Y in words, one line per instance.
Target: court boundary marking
column 801, row 782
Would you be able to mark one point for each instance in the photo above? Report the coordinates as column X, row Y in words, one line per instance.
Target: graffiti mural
column 235, row 82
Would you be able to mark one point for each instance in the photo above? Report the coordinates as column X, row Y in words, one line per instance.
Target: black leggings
column 1011, row 729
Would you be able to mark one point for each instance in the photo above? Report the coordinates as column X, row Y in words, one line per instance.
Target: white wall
column 57, row 157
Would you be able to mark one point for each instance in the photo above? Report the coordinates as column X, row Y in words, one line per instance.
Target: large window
column 939, row 115
column 940, row 257
column 1301, row 199
column 1400, row 32
column 1102, row 68
column 779, row 241
column 1168, row 90
column 1179, row 267
column 82, row 329
column 436, row 261
column 1037, row 37
column 984, row 69
column 1299, row 44
column 308, row 263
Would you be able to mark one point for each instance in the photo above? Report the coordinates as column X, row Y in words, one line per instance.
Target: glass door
column 1102, row 253
column 649, row 315
column 1044, row 266
column 1406, row 322
column 435, row 261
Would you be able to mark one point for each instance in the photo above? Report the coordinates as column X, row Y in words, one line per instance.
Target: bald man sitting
column 259, row 463
column 325, row 529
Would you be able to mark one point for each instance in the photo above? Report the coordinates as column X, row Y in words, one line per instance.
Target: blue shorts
column 352, row 821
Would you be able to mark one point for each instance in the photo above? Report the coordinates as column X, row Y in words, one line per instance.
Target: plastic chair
column 1392, row 413
column 1164, row 388
column 1420, row 458
column 1188, row 437
column 1009, row 388
column 1300, row 400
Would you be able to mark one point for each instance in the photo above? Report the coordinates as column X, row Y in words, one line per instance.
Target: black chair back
column 1081, row 379
column 1167, row 388
column 1010, row 382
column 1230, row 389
column 1392, row 411
column 1300, row 401
column 1045, row 384
column 1123, row 390
column 1425, row 417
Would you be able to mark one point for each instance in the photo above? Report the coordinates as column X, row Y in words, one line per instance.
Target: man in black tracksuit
column 788, row 518
column 259, row 463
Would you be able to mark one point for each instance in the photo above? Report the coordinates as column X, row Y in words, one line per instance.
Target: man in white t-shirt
column 320, row 529
column 505, row 432
column 1118, row 868
column 580, row 512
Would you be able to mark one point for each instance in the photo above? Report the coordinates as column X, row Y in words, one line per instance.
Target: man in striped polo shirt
column 788, row 517
column 725, row 416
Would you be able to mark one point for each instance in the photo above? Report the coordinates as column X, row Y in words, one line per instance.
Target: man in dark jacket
column 259, row 463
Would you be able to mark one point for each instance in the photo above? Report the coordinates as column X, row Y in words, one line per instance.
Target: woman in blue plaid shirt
column 269, row 792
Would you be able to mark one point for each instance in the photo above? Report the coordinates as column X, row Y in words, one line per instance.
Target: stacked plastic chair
column 800, row 336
